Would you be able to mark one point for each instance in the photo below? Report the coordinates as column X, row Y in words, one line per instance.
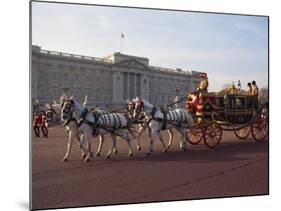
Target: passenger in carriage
column 233, row 90
column 255, row 89
column 255, row 92
column 239, row 85
column 249, row 88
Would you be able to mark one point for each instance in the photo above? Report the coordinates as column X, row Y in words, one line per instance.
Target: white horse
column 54, row 110
column 114, row 124
column 142, row 124
column 157, row 120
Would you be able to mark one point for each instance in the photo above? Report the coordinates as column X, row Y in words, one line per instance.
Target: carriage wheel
column 212, row 134
column 242, row 133
column 194, row 135
column 259, row 129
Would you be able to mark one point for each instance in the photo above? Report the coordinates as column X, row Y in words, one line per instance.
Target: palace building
column 107, row 81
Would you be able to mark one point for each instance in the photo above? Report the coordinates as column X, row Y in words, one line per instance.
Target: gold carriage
column 217, row 112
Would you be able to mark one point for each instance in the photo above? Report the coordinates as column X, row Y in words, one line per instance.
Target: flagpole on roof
column 122, row 37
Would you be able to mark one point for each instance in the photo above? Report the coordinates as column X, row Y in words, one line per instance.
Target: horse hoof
column 164, row 151
column 183, row 149
column 107, row 157
column 97, row 154
column 91, row 154
column 130, row 155
column 87, row 160
column 139, row 148
column 83, row 156
column 115, row 151
column 64, row 160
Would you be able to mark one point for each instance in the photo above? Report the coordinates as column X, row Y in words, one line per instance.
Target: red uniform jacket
column 37, row 120
column 43, row 120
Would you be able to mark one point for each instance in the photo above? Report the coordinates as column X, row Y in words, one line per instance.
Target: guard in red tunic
column 43, row 125
column 36, row 124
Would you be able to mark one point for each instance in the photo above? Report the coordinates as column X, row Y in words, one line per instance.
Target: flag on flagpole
column 122, row 35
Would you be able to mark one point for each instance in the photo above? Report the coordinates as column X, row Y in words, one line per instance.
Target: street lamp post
column 176, row 105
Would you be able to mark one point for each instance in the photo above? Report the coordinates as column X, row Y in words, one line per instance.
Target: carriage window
column 232, row 102
column 249, row 103
column 219, row 101
column 240, row 102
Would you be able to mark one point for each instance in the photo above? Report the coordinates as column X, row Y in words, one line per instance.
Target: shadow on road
column 222, row 153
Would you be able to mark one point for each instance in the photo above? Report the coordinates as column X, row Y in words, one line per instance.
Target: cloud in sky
column 227, row 47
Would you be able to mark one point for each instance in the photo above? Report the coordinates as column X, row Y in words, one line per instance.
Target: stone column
column 117, row 87
column 145, row 87
column 135, row 84
column 128, row 84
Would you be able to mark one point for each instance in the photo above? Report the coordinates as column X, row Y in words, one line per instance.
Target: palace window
column 54, row 92
column 65, row 76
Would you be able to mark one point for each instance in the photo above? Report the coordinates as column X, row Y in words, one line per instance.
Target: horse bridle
column 138, row 109
column 50, row 114
column 131, row 108
column 68, row 109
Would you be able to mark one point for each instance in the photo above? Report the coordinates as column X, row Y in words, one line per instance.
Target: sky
column 227, row 47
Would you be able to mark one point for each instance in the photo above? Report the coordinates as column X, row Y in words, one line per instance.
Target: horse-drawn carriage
column 215, row 112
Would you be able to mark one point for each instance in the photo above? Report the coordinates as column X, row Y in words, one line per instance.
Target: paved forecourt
column 235, row 167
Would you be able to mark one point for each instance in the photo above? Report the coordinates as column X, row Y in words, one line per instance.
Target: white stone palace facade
column 107, row 81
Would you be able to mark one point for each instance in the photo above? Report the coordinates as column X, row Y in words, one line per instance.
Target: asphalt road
column 234, row 168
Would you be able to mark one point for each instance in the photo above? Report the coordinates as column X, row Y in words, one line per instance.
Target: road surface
column 235, row 167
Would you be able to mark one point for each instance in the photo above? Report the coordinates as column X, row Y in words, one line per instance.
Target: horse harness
column 103, row 117
column 69, row 109
column 165, row 120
